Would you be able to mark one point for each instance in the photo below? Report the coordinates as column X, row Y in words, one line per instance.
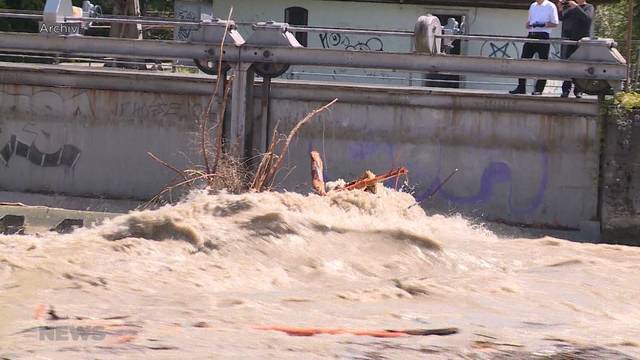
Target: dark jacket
column 576, row 22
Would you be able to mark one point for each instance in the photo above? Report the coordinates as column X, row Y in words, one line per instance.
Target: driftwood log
column 317, row 180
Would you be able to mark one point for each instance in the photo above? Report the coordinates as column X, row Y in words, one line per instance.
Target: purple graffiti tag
column 539, row 197
column 495, row 173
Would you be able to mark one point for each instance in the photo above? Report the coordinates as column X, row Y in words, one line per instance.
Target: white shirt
column 544, row 13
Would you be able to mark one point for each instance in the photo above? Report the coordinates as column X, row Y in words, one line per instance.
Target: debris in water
column 367, row 182
column 301, row 331
column 317, row 180
column 39, row 312
column 53, row 315
column 435, row 191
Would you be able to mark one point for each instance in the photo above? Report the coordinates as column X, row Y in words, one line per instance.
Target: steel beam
column 102, row 46
column 83, row 77
column 561, row 69
column 348, row 93
column 511, row 39
column 242, row 81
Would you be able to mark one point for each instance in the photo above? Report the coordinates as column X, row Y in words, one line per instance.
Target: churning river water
column 216, row 275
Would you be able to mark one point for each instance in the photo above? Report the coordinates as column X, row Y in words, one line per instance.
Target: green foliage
column 19, row 24
column 611, row 21
column 628, row 101
column 152, row 7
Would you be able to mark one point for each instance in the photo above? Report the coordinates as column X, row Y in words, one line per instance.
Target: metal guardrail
column 162, row 49
column 172, row 67
column 410, row 79
column 79, row 60
column 559, row 41
column 309, row 29
column 605, row 67
column 271, row 48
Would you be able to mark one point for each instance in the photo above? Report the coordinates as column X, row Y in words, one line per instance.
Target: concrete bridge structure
column 522, row 159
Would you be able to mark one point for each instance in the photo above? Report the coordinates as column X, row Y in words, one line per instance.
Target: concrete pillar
column 129, row 31
column 261, row 130
column 241, row 108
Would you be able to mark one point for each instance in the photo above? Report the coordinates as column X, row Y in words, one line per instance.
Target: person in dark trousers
column 543, row 16
column 576, row 17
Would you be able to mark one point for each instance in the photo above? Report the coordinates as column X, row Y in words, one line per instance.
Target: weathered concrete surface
column 522, row 159
column 88, row 142
column 518, row 162
column 621, row 178
column 40, row 219
column 69, row 202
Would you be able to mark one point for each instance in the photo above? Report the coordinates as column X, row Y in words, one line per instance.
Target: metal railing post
column 242, row 81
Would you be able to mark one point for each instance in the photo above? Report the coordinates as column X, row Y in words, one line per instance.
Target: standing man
column 576, row 17
column 543, row 15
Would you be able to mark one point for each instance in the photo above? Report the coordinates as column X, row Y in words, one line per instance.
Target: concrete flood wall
column 522, row 159
column 84, row 141
column 621, row 178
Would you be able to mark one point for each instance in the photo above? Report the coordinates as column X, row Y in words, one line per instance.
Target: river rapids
column 212, row 276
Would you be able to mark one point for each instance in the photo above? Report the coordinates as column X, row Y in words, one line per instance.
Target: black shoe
column 517, row 91
column 536, row 93
column 565, row 94
column 578, row 94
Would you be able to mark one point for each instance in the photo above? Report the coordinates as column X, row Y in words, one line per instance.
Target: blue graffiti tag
column 495, row 173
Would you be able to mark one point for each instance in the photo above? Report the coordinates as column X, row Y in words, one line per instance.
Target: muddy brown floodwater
column 197, row 280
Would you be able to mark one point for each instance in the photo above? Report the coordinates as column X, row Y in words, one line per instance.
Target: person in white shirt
column 543, row 16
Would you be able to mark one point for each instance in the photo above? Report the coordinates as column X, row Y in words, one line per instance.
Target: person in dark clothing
column 543, row 15
column 576, row 17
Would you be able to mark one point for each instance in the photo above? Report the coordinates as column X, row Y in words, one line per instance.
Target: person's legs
column 567, row 51
column 566, row 88
column 528, row 49
column 543, row 54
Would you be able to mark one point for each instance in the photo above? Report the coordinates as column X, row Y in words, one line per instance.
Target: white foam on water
column 350, row 259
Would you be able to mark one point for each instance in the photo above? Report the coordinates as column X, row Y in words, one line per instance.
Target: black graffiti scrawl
column 67, row 155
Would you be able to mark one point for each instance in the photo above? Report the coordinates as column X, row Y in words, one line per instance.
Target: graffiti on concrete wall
column 496, row 172
column 506, row 50
column 81, row 106
column 23, row 143
column 509, row 50
column 66, row 155
column 160, row 108
column 493, row 174
column 555, row 52
column 183, row 32
column 336, row 40
column 48, row 104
